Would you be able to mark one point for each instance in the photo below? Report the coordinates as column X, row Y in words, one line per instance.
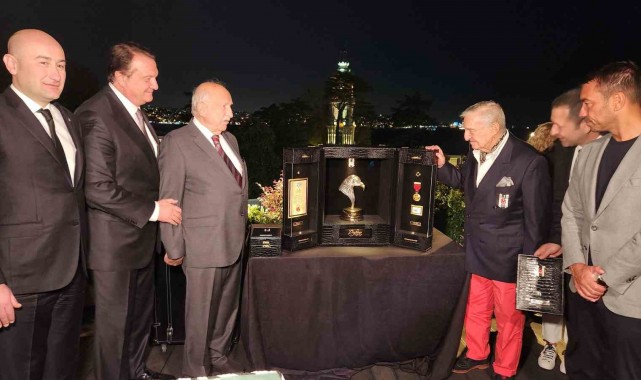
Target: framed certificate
column 297, row 205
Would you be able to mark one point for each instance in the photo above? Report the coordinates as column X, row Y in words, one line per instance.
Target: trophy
column 351, row 214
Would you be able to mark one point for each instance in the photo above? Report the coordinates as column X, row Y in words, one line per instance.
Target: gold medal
column 417, row 187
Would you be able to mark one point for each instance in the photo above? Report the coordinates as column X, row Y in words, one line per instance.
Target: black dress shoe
column 465, row 364
column 153, row 375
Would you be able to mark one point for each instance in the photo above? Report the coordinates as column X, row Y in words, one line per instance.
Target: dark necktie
column 230, row 165
column 143, row 129
column 57, row 146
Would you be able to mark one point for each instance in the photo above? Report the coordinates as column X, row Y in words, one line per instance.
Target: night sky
column 519, row 53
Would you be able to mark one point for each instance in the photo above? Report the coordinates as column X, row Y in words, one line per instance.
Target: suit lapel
column 234, row 146
column 32, row 125
column 130, row 127
column 201, row 141
column 151, row 129
column 628, row 166
column 77, row 141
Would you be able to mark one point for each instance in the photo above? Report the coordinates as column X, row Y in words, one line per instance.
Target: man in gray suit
column 601, row 231
column 201, row 167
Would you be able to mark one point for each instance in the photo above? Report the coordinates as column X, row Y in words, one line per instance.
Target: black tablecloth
column 350, row 307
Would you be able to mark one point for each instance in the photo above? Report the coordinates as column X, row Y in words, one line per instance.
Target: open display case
column 357, row 196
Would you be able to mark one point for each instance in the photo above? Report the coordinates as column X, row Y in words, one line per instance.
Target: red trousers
column 487, row 296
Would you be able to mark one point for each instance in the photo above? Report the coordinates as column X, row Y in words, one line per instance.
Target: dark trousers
column 43, row 342
column 602, row 345
column 211, row 306
column 124, row 312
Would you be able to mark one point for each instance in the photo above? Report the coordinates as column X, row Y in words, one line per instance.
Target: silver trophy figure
column 352, row 214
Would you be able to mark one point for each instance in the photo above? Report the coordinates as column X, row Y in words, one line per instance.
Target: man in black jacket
column 572, row 133
column 42, row 215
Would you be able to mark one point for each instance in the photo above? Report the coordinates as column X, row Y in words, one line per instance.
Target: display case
column 358, row 196
column 416, row 188
column 300, row 197
column 357, row 201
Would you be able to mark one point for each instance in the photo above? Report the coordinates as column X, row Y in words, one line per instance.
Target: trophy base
column 352, row 214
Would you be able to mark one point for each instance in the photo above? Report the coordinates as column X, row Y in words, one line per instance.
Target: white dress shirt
column 223, row 143
column 484, row 167
column 61, row 128
column 132, row 109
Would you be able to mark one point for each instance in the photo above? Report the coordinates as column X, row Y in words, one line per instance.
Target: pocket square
column 505, row 182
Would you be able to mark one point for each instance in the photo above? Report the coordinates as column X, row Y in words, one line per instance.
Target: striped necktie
column 230, row 165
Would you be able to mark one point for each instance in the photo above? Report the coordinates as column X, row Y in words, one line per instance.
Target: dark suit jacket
column 495, row 236
column 214, row 206
column 561, row 162
column 121, row 185
column 42, row 215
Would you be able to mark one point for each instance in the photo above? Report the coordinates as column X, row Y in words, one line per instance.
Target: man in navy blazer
column 507, row 194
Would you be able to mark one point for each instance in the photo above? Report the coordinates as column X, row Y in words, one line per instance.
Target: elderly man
column 601, row 229
column 201, row 166
column 507, row 185
column 572, row 132
column 122, row 189
column 42, row 216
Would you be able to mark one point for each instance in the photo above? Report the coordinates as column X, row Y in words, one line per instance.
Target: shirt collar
column 129, row 106
column 31, row 104
column 206, row 132
column 492, row 155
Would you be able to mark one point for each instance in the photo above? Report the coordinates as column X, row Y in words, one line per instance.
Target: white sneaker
column 547, row 358
column 562, row 367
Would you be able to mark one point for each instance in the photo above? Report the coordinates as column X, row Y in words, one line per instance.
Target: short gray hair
column 200, row 96
column 490, row 110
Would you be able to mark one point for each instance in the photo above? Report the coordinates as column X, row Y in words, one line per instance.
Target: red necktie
column 230, row 165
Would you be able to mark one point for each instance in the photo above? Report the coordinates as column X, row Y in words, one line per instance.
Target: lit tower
column 342, row 102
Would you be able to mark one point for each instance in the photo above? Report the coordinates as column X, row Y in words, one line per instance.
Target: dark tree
column 257, row 142
column 412, row 111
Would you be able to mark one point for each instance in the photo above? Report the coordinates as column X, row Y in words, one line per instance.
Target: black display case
column 358, row 196
column 415, row 199
column 375, row 169
column 300, row 197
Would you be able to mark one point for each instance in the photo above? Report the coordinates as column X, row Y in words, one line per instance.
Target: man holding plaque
column 201, row 166
column 572, row 133
column 601, row 231
column 507, row 187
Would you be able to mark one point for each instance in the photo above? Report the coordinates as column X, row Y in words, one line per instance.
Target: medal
column 417, row 187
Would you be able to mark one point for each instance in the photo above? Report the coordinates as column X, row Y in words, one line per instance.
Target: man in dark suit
column 507, row 187
column 201, row 166
column 42, row 216
column 572, row 133
column 121, row 190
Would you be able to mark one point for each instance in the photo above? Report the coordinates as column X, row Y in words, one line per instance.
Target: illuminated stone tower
column 341, row 103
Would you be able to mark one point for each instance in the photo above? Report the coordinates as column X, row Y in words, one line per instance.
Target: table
column 329, row 308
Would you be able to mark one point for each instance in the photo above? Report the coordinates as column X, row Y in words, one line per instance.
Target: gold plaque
column 297, row 197
column 416, row 210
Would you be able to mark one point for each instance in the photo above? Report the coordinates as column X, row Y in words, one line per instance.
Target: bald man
column 42, row 215
column 201, row 167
